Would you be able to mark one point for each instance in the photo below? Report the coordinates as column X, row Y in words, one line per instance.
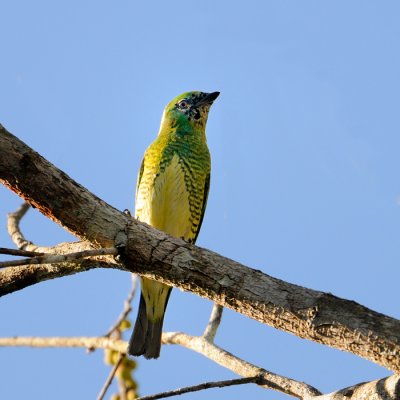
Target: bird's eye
column 183, row 104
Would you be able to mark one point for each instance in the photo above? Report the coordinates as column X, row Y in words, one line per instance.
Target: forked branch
column 307, row 313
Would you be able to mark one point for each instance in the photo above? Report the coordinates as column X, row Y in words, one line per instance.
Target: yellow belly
column 164, row 202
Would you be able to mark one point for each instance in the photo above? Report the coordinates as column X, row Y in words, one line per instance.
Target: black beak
column 208, row 98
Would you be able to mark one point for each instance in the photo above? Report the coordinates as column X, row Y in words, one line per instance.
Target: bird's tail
column 146, row 336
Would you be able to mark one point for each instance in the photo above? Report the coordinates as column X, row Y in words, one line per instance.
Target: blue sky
column 305, row 150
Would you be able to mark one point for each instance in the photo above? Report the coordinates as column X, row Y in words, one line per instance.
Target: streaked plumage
column 171, row 195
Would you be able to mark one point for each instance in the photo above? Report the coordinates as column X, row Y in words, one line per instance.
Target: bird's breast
column 163, row 199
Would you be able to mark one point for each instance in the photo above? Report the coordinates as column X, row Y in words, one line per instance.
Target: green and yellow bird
column 171, row 195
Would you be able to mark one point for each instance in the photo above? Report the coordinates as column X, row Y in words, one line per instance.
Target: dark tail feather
column 146, row 336
column 152, row 346
column 137, row 341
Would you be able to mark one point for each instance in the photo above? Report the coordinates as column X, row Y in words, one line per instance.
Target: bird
column 171, row 195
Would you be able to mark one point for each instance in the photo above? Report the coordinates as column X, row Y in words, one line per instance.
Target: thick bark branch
column 306, row 313
column 18, row 278
column 382, row 389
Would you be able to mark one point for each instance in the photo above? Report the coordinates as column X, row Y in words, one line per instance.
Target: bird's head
column 189, row 110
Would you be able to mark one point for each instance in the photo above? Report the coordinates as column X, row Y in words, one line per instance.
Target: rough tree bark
column 318, row 316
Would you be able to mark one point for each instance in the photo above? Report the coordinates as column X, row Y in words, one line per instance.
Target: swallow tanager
column 171, row 195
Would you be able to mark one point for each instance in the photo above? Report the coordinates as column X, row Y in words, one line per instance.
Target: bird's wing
column 203, row 206
column 139, row 176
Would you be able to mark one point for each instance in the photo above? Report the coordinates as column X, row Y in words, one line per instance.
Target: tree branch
column 382, row 389
column 268, row 380
column 196, row 388
column 60, row 258
column 17, row 278
column 265, row 379
column 14, row 231
column 20, row 253
column 213, row 323
column 14, row 279
column 307, row 313
column 82, row 341
column 127, row 308
column 110, row 377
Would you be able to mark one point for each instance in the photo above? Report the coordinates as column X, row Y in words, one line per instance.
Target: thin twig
column 213, row 323
column 127, row 308
column 14, row 230
column 17, row 278
column 83, row 342
column 59, row 258
column 22, row 253
column 202, row 386
column 268, row 380
column 110, row 377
